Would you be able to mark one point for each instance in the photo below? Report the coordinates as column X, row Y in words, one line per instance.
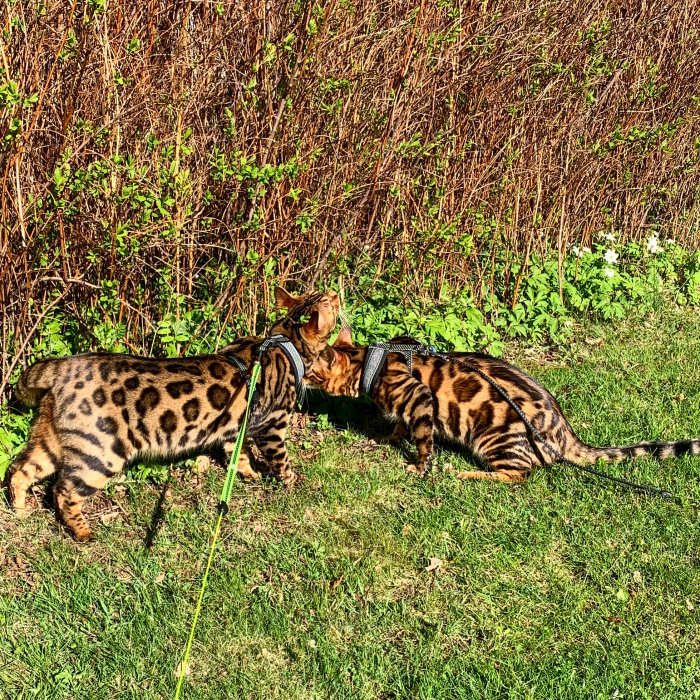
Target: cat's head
column 338, row 367
column 309, row 322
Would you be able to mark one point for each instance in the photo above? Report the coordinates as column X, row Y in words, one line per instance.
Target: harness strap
column 375, row 357
column 287, row 347
column 235, row 360
column 274, row 341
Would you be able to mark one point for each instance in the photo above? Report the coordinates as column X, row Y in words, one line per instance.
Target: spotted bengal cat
column 99, row 412
column 443, row 397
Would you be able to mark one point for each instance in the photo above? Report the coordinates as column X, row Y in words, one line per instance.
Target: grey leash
column 374, row 361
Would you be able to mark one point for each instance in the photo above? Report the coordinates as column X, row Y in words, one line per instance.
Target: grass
column 565, row 587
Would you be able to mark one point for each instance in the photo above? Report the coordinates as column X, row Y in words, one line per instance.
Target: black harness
column 274, row 341
column 375, row 358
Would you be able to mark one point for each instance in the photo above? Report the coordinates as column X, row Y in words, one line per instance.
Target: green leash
column 223, row 509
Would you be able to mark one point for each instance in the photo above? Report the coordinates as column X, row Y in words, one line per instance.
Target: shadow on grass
column 362, row 416
column 158, row 516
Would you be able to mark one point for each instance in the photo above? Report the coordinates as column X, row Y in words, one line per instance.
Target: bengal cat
column 99, row 412
column 443, row 397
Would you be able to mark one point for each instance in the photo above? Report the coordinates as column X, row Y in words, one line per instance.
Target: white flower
column 607, row 236
column 579, row 252
column 670, row 241
column 608, row 272
column 610, row 257
column 653, row 244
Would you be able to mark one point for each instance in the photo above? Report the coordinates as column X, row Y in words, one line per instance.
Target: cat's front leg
column 413, row 402
column 274, row 450
column 245, row 468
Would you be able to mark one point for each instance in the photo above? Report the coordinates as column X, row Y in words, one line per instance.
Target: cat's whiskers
column 344, row 317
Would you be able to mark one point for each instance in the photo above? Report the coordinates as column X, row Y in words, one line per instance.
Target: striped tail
column 36, row 380
column 661, row 450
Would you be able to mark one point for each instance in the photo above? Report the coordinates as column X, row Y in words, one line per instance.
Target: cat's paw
column 418, row 470
column 292, row 479
column 83, row 535
column 247, row 473
column 203, row 463
column 465, row 476
column 18, row 499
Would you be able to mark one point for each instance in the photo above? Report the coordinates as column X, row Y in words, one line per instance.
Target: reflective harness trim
column 287, row 347
column 274, row 341
column 375, row 357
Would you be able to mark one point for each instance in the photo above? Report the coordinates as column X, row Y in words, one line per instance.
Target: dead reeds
column 148, row 146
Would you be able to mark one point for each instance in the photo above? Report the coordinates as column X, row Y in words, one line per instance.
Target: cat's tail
column 580, row 452
column 36, row 380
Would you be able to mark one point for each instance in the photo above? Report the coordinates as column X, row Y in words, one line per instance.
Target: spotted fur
column 443, row 397
column 99, row 412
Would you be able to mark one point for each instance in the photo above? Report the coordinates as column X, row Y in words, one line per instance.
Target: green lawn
column 566, row 587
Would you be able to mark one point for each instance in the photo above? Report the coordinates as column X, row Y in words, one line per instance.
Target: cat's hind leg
column 510, row 461
column 83, row 472
column 40, row 458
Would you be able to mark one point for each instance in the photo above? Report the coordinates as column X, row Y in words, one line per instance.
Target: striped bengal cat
column 442, row 397
column 99, row 412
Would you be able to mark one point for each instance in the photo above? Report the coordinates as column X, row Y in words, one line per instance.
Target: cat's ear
column 330, row 356
column 344, row 338
column 285, row 300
